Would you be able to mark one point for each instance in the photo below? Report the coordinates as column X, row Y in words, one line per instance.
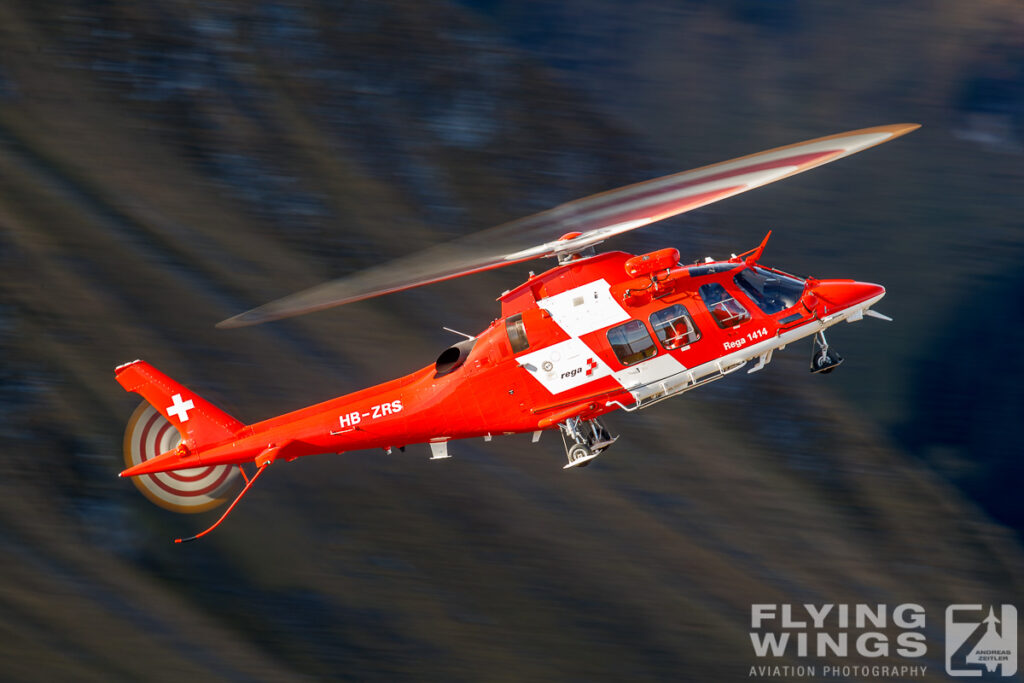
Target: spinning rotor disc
column 189, row 491
column 581, row 223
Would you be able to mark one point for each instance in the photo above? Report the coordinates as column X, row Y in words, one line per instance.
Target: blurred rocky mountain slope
column 165, row 166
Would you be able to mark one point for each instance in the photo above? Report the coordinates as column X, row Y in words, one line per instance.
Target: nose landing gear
column 824, row 359
column 589, row 439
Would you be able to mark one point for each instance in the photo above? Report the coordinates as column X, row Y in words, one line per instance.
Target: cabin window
column 724, row 308
column 516, row 333
column 674, row 327
column 771, row 291
column 631, row 342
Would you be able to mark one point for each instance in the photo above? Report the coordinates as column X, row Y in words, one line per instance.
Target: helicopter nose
column 841, row 294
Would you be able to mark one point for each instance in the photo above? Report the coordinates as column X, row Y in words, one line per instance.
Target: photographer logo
column 981, row 639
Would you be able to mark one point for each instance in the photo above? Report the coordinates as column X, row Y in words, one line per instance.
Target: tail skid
column 249, row 481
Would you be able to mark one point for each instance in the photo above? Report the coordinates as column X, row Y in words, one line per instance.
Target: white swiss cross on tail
column 180, row 408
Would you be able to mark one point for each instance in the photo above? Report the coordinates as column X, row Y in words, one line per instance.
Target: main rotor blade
column 595, row 218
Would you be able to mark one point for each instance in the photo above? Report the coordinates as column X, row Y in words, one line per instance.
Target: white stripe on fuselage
column 653, row 370
column 565, row 365
column 572, row 363
column 585, row 308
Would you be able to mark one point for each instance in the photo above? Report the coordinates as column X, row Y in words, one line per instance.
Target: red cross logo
column 591, row 366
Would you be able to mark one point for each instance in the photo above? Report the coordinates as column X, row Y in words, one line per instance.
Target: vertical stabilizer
column 200, row 422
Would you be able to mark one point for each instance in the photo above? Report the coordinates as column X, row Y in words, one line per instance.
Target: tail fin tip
column 199, row 421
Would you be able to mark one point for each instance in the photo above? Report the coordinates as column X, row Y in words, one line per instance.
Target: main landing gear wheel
column 824, row 359
column 580, row 456
column 590, row 439
column 193, row 490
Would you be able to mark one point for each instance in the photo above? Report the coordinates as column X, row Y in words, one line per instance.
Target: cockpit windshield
column 770, row 290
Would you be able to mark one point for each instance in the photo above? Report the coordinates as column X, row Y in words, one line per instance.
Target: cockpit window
column 631, row 342
column 674, row 327
column 516, row 333
column 771, row 291
column 724, row 308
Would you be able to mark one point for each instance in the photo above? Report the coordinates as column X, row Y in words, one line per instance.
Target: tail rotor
column 188, row 491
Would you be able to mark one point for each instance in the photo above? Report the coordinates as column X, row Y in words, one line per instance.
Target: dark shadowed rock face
column 970, row 399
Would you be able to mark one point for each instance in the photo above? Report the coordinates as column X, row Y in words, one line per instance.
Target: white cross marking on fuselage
column 180, row 408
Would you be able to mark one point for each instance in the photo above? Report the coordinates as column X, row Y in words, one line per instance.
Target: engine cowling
column 453, row 357
column 645, row 264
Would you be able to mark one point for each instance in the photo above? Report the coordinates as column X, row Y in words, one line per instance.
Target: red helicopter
column 594, row 334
